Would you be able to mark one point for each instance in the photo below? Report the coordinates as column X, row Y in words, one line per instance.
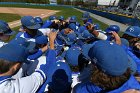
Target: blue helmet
column 73, row 19
column 115, row 28
column 85, row 16
column 52, row 17
column 61, row 18
column 133, row 31
column 38, row 20
column 72, row 26
column 96, row 26
column 46, row 24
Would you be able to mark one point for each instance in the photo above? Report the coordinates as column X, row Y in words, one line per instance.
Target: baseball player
column 86, row 18
column 79, row 65
column 11, row 63
column 110, row 70
column 30, row 27
column 132, row 35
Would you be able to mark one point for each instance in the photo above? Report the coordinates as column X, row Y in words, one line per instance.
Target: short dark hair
column 5, row 65
column 108, row 82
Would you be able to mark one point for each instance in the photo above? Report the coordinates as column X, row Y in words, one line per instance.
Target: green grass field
column 65, row 11
column 9, row 17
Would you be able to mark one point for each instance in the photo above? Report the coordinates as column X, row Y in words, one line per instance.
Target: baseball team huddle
column 61, row 55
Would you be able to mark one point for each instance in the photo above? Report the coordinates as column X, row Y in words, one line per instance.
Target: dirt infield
column 26, row 11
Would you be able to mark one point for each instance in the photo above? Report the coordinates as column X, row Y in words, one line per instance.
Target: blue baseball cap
column 85, row 35
column 133, row 31
column 72, row 26
column 90, row 20
column 41, row 40
column 23, row 42
column 59, row 77
column 61, row 18
column 72, row 56
column 46, row 24
column 29, row 22
column 81, row 29
column 96, row 26
column 62, row 32
column 113, row 28
column 5, row 29
column 85, row 16
column 71, row 38
column 109, row 57
column 19, row 41
column 53, row 17
column 73, row 19
column 38, row 20
column 13, row 53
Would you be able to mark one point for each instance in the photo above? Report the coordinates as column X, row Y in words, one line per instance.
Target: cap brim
column 37, row 26
column 130, row 34
column 12, row 33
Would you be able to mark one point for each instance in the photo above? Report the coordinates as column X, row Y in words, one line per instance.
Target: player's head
column 110, row 69
column 61, row 18
column 132, row 34
column 11, row 61
column 39, row 20
column 30, row 25
column 72, row 26
column 85, row 17
column 53, row 17
column 41, row 41
column 59, row 78
column 71, row 38
column 115, row 28
column 73, row 19
column 76, row 59
column 5, row 31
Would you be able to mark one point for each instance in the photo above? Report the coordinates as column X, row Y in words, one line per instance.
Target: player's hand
column 131, row 91
column 52, row 37
column 90, row 27
column 137, row 45
column 116, row 37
